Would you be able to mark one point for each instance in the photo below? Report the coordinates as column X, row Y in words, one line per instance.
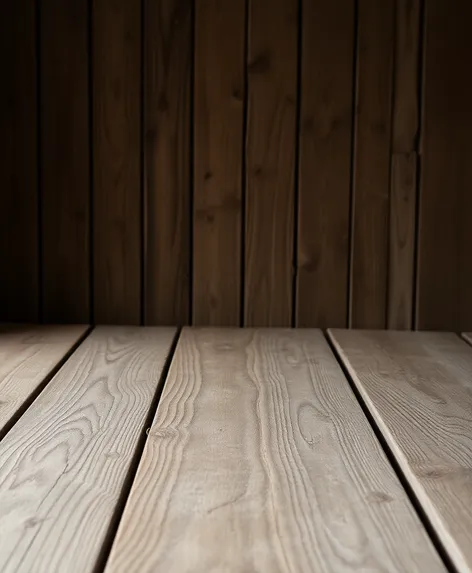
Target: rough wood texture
column 445, row 231
column 325, row 163
column 418, row 388
column 65, row 148
column 117, row 161
column 260, row 459
column 167, row 68
column 28, row 354
column 63, row 465
column 270, row 162
column 18, row 163
column 218, row 159
column 370, row 234
column 405, row 123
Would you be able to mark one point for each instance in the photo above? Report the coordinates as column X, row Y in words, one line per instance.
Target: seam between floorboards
column 42, row 385
column 463, row 337
column 133, row 467
column 418, row 508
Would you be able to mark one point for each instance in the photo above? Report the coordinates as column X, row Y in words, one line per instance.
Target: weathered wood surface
column 28, row 354
column 418, row 388
column 63, row 465
column 260, row 459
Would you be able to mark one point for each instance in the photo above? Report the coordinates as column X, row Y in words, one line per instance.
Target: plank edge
column 441, row 539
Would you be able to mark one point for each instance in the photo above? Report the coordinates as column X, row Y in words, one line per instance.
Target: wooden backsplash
column 226, row 162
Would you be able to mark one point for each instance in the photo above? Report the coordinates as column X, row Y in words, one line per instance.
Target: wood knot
column 237, row 95
column 260, row 64
column 379, row 497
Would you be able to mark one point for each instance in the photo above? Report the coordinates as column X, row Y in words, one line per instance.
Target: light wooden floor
column 128, row 449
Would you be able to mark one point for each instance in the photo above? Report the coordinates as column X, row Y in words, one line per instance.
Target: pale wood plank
column 260, row 459
column 63, row 465
column 418, row 387
column 28, row 354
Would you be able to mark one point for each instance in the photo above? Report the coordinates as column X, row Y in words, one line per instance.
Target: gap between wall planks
column 326, row 101
column 168, row 35
column 218, row 140
column 64, row 168
column 117, row 161
column 19, row 264
column 445, row 226
column 230, row 477
column 142, row 263
column 371, row 169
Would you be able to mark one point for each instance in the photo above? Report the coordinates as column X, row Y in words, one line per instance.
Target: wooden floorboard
column 63, row 465
column 467, row 337
column 28, row 355
column 261, row 459
column 418, row 388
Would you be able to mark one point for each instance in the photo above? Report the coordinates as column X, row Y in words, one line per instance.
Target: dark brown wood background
column 237, row 162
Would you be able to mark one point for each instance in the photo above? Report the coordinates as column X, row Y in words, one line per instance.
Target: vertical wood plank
column 402, row 241
column 404, row 165
column 167, row 69
column 65, row 149
column 18, row 163
column 218, row 114
column 445, row 232
column 117, row 160
column 325, row 162
column 370, row 230
column 270, row 158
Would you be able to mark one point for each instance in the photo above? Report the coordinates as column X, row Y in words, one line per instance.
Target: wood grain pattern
column 406, row 104
column 19, row 288
column 405, row 124
column 445, row 231
column 370, row 230
column 117, row 161
column 167, row 68
column 270, row 162
column 65, row 148
column 218, row 158
column 260, row 459
column 402, row 241
column 325, row 163
column 28, row 354
column 418, row 388
column 63, row 465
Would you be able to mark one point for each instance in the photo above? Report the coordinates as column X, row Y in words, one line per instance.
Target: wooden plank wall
column 237, row 162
